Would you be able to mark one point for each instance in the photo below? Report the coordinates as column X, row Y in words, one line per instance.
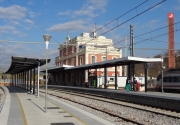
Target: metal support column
column 18, row 79
column 81, row 79
column 25, row 79
column 14, row 79
column 30, row 79
column 116, row 84
column 145, row 74
column 105, row 78
column 38, row 79
column 34, row 74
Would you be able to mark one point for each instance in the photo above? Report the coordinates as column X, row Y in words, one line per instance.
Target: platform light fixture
column 46, row 40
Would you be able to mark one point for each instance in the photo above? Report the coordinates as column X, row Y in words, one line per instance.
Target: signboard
column 170, row 15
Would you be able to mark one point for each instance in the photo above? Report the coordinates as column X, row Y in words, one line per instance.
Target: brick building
column 85, row 49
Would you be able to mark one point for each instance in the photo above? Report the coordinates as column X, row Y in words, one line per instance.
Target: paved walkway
column 25, row 109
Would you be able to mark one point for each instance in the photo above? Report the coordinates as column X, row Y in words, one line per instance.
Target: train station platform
column 21, row 108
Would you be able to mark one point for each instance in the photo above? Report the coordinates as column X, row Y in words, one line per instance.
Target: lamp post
column 46, row 40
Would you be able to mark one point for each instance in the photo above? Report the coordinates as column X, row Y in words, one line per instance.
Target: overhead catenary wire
column 134, row 17
column 121, row 15
column 147, row 33
column 177, row 30
column 31, row 19
column 131, row 18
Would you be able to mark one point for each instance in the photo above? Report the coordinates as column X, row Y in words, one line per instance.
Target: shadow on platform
column 13, row 89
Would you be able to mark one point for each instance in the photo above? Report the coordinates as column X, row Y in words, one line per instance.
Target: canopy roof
column 57, row 69
column 109, row 63
column 117, row 62
column 20, row 64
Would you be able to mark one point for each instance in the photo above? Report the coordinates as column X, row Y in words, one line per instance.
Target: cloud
column 15, row 23
column 64, row 13
column 12, row 12
column 6, row 29
column 28, row 21
column 152, row 23
column 30, row 2
column 32, row 14
column 19, row 33
column 10, row 29
column 68, row 26
column 88, row 9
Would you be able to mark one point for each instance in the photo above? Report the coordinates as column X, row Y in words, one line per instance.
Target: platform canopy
column 20, row 64
column 117, row 62
column 56, row 69
column 109, row 63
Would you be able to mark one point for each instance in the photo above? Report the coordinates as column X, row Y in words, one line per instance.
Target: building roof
column 20, row 64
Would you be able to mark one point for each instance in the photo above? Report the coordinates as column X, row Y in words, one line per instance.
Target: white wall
column 121, row 80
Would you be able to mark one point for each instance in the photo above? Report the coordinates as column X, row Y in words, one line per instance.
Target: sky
column 23, row 22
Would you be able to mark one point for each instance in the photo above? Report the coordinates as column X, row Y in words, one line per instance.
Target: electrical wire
column 131, row 18
column 177, row 30
column 121, row 16
column 31, row 19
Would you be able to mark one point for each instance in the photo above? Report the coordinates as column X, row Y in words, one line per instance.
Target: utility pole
column 131, row 52
column 125, row 54
column 131, row 41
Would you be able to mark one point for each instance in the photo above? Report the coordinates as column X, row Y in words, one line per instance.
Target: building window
column 61, row 53
column 72, row 61
column 93, row 59
column 66, row 62
column 114, row 58
column 72, row 49
column 81, row 60
column 104, row 59
column 66, row 50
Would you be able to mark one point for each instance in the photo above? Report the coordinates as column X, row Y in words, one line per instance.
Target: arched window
column 93, row 59
column 61, row 53
column 66, row 62
column 81, row 60
column 104, row 58
column 66, row 50
column 72, row 49
column 72, row 61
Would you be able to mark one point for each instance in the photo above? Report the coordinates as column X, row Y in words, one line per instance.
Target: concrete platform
column 26, row 109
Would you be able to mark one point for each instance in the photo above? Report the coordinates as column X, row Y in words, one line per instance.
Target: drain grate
column 68, row 116
column 61, row 112
column 52, row 108
column 65, row 123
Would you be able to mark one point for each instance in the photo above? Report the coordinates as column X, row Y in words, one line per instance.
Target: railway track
column 106, row 111
column 56, row 93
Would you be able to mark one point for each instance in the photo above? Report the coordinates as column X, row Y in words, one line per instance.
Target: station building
column 86, row 49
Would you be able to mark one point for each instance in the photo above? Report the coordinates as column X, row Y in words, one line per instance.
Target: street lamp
column 46, row 40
